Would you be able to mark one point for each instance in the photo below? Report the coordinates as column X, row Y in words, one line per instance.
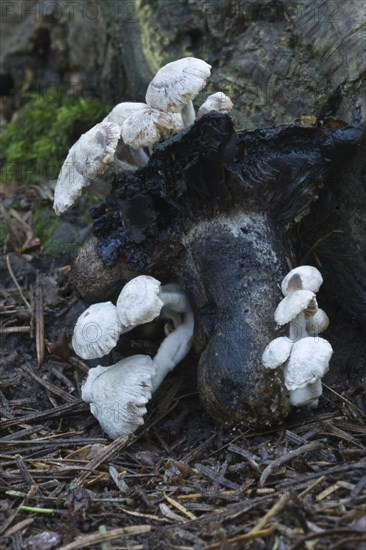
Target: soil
column 181, row 481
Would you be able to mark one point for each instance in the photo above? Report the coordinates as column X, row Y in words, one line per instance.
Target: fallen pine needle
column 99, row 538
column 179, row 507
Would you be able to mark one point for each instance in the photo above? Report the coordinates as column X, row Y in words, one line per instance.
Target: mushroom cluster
column 118, row 394
column 124, row 139
column 305, row 356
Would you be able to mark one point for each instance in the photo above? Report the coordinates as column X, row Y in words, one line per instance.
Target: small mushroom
column 216, row 102
column 89, row 157
column 307, row 277
column 146, row 127
column 308, row 363
column 118, row 115
column 316, row 323
column 304, row 362
column 142, row 299
column 292, row 310
column 118, row 394
column 97, row 331
column 277, row 352
column 299, row 288
column 175, row 86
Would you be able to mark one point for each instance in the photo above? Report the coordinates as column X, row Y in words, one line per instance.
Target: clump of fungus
column 118, row 394
column 304, row 355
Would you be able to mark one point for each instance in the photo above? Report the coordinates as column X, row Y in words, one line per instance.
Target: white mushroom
column 97, row 331
column 142, row 299
column 306, row 358
column 119, row 114
column 316, row 323
column 175, row 86
column 307, row 396
column 146, row 127
column 277, row 352
column 118, row 394
column 89, row 157
column 292, row 310
column 123, row 110
column 139, row 301
column 310, row 278
column 216, row 102
column 308, row 363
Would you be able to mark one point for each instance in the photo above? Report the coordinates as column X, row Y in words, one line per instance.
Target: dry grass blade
column 272, row 512
column 14, row 279
column 309, row 447
column 45, row 415
column 39, row 319
column 100, row 538
column 112, row 448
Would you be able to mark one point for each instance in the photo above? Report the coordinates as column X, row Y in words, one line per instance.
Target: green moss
column 35, row 145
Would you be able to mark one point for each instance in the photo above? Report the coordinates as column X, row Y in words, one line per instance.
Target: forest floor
column 181, row 481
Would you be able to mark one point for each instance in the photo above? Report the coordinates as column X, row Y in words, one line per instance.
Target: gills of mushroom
column 175, row 86
column 118, row 394
column 89, row 157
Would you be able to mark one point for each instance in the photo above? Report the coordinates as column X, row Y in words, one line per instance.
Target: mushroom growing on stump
column 175, row 86
column 211, row 211
column 304, row 355
column 118, row 394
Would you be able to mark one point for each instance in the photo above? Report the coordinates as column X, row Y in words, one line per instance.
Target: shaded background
column 275, row 59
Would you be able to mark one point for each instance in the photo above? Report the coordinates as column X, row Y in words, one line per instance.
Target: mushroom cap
column 139, row 301
column 88, row 157
column 293, row 304
column 277, row 352
column 118, row 394
column 146, row 126
column 311, row 278
column 317, row 323
column 216, row 102
column 96, row 331
column 123, row 110
column 309, row 361
column 307, row 396
column 177, row 83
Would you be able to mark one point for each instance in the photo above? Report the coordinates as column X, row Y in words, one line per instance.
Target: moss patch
column 35, row 144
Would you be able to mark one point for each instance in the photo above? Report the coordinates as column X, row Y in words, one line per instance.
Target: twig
column 272, row 512
column 112, row 448
column 11, row 273
column 309, row 447
column 98, row 538
column 39, row 319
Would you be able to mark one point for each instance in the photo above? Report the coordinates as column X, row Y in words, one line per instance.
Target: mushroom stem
column 298, row 327
column 139, row 156
column 173, row 349
column 307, row 396
column 188, row 114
